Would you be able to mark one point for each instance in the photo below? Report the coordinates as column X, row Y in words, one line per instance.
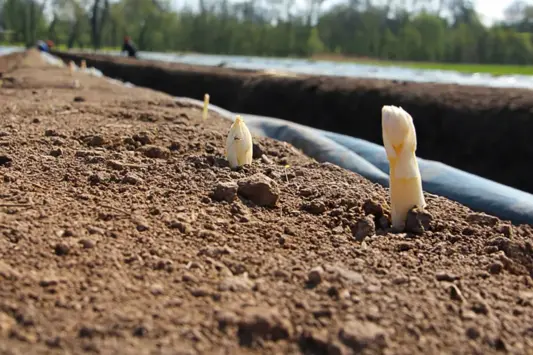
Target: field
column 123, row 230
column 493, row 69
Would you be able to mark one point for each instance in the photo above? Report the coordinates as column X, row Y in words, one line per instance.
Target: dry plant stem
column 16, row 204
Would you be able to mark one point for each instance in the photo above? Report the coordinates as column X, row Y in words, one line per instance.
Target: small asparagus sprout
column 83, row 64
column 71, row 67
column 239, row 146
column 399, row 139
column 206, row 106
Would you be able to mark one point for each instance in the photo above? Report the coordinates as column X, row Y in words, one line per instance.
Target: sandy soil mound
column 123, row 230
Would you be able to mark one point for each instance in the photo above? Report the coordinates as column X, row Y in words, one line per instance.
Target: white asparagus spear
column 399, row 139
column 239, row 146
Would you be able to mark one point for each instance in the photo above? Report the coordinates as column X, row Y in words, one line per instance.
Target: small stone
column 143, row 138
column 225, row 191
column 351, row 276
column 141, row 224
column 260, row 189
column 239, row 283
column 5, row 160
column 418, row 221
column 472, row 333
column 53, row 342
column 157, row 290
column 315, row 275
column 364, row 227
column 495, row 268
column 115, row 165
column 56, row 152
column 188, row 277
column 200, row 292
column 51, row 133
column 314, row 207
column 456, row 294
column 257, row 151
column 445, row 276
column 140, row 331
column 131, row 179
column 265, row 159
column 95, row 230
column 174, row 146
column 362, row 335
column 96, row 178
column 155, row 152
column 404, row 246
column 61, row 249
column 79, row 99
column 183, row 227
column 482, row 219
column 87, row 243
column 384, row 222
column 480, row 307
column 506, row 230
column 373, row 208
column 95, row 141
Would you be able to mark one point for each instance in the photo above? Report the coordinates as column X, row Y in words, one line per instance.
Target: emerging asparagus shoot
column 239, row 146
column 71, row 67
column 206, row 106
column 399, row 139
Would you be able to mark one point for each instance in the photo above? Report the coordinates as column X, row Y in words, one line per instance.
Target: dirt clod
column 482, row 219
column 153, row 151
column 373, row 208
column 5, row 160
column 363, row 336
column 260, row 189
column 56, row 152
column 132, row 179
column 418, row 221
column 496, row 267
column 95, row 141
column 315, row 275
column 61, row 249
column 225, row 191
column 262, row 324
column 315, row 207
column 364, row 227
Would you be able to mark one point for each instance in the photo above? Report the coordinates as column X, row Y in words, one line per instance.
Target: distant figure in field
column 129, row 47
column 45, row 46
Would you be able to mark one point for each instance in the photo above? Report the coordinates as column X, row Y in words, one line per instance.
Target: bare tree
column 99, row 16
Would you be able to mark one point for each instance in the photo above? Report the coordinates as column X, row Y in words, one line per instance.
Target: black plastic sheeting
column 369, row 160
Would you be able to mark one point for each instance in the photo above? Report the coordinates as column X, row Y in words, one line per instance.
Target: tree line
column 410, row 30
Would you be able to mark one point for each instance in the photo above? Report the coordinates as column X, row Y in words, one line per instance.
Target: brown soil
column 485, row 131
column 122, row 230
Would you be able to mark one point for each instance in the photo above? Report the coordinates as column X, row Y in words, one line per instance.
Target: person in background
column 129, row 47
column 45, row 46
